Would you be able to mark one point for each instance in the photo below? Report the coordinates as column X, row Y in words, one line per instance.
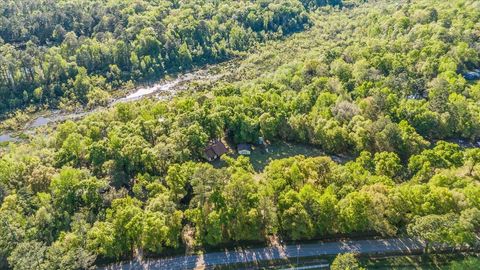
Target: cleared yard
column 260, row 157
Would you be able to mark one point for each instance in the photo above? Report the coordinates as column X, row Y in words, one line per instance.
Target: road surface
column 231, row 257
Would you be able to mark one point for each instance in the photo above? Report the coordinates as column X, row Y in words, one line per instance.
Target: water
column 168, row 87
column 40, row 121
column 163, row 89
column 146, row 91
column 8, row 137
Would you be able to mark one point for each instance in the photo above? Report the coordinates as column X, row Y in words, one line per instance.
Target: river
column 8, row 137
column 163, row 90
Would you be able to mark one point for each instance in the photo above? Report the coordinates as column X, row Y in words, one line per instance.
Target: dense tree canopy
column 378, row 82
column 73, row 52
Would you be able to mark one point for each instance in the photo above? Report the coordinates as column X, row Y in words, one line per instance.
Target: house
column 244, row 149
column 215, row 150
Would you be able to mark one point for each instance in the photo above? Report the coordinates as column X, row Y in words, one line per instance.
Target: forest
column 381, row 82
column 74, row 53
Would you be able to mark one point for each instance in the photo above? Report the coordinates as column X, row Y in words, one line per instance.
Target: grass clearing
column 260, row 157
column 433, row 261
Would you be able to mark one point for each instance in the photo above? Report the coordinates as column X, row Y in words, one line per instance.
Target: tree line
column 73, row 53
column 385, row 92
column 66, row 217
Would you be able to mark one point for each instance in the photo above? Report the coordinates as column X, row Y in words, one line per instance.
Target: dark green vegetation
column 380, row 82
column 427, row 262
column 346, row 261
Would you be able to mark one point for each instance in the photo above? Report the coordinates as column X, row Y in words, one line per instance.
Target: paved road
column 210, row 260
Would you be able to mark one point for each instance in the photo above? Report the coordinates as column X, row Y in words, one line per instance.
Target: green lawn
column 260, row 157
column 436, row 261
column 413, row 262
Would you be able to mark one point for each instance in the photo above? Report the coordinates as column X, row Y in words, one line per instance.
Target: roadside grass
column 411, row 262
column 428, row 262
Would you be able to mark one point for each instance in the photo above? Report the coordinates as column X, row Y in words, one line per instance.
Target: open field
column 261, row 157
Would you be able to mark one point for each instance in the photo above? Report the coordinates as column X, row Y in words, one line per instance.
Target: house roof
column 215, row 149
column 244, row 146
column 219, row 148
column 210, row 153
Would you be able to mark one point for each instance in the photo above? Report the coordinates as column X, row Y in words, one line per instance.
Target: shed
column 472, row 75
column 215, row 150
column 244, row 149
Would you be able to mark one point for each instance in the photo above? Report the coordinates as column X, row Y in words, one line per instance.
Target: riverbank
column 162, row 90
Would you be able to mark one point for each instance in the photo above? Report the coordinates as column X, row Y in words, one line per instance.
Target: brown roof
column 219, row 148
column 215, row 149
column 210, row 153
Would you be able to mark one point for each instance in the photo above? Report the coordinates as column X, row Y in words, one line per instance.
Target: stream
column 163, row 90
column 8, row 137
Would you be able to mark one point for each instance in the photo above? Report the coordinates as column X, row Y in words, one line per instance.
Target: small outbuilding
column 244, row 149
column 215, row 150
column 472, row 75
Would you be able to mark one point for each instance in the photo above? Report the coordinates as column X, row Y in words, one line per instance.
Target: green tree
column 346, row 261
column 443, row 228
column 28, row 255
column 13, row 227
column 102, row 240
column 355, row 212
column 243, row 220
column 387, row 164
column 69, row 252
column 161, row 230
column 294, row 219
column 184, row 56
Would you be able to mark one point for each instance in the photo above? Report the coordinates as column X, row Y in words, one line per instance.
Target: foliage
column 76, row 51
column 346, row 261
column 378, row 82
